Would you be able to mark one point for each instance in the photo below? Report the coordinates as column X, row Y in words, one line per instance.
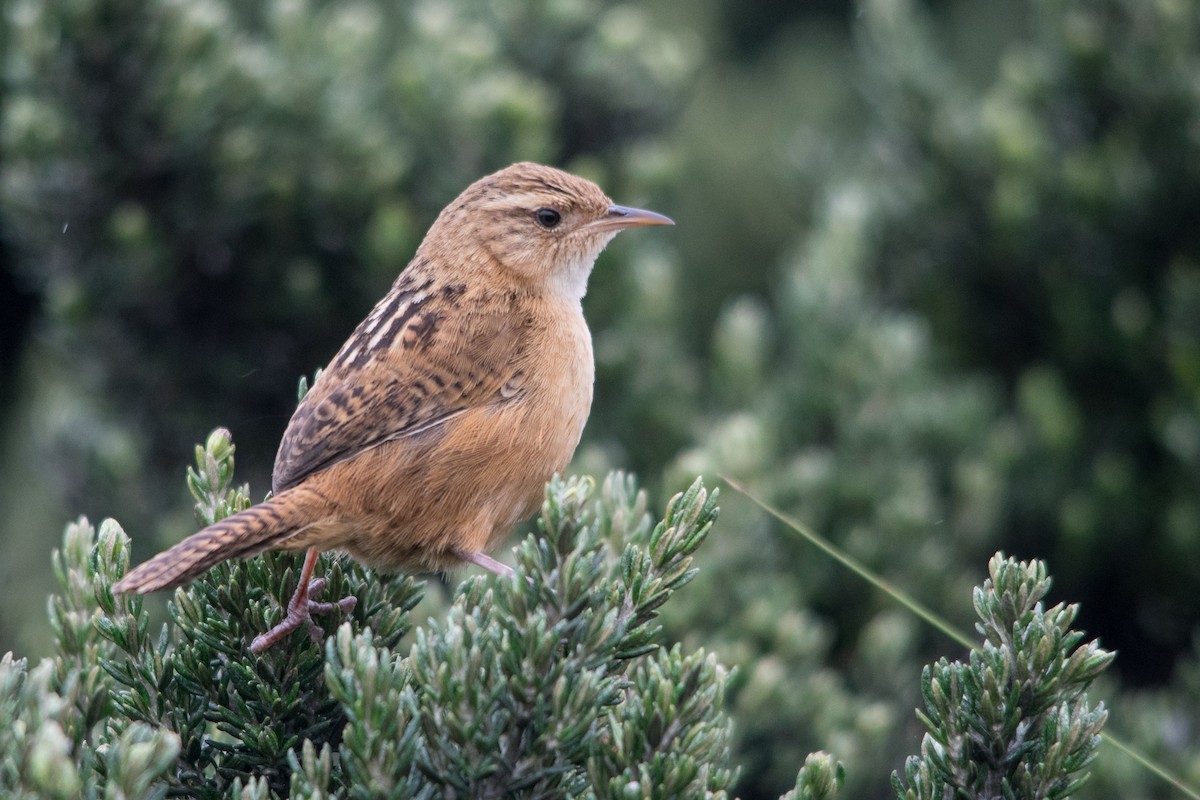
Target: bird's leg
column 487, row 562
column 301, row 607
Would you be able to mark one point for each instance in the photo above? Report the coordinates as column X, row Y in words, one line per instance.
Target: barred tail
column 265, row 526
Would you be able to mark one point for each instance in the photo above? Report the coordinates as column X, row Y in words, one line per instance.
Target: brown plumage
column 434, row 429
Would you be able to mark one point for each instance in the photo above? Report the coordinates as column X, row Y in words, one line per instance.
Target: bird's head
column 538, row 227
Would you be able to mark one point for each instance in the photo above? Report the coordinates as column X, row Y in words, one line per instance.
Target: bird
column 433, row 430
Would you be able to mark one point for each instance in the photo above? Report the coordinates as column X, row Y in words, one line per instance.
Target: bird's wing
column 423, row 356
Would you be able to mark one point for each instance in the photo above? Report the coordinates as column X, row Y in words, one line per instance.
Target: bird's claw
column 300, row 611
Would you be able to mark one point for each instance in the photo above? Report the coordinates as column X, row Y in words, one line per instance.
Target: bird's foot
column 301, row 609
column 487, row 562
column 300, row 612
column 345, row 605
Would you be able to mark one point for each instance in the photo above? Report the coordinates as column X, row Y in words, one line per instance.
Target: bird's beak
column 621, row 217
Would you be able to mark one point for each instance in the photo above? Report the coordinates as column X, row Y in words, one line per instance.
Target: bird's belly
column 415, row 503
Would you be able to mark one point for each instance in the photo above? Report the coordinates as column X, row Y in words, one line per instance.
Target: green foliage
column 56, row 743
column 557, row 649
column 38, row 758
column 652, row 748
column 820, row 778
column 1015, row 720
column 548, row 684
column 236, row 717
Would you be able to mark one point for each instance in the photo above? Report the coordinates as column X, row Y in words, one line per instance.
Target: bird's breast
column 464, row 484
column 559, row 376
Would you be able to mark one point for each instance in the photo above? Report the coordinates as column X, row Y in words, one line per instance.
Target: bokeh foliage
column 933, row 290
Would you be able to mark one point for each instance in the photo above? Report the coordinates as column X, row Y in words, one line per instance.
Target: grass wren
column 434, row 429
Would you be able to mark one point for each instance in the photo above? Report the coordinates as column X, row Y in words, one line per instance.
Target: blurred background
column 934, row 290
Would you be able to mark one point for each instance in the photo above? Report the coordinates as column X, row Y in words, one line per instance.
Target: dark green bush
column 551, row 683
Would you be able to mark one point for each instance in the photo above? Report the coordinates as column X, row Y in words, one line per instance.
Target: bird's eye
column 547, row 217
